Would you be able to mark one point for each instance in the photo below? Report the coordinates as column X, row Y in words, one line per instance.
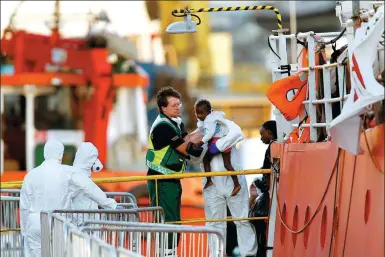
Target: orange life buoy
column 287, row 94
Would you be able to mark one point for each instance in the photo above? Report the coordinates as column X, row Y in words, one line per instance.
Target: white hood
column 86, row 157
column 53, row 150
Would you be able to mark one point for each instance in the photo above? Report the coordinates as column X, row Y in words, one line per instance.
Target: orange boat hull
column 357, row 229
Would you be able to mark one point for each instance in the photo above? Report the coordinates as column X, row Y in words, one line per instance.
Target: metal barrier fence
column 147, row 215
column 119, row 197
column 116, row 238
column 55, row 225
column 10, row 202
column 9, row 208
column 127, row 253
column 11, row 245
column 82, row 244
column 69, row 241
column 122, row 197
column 10, row 192
column 154, row 239
column 54, row 228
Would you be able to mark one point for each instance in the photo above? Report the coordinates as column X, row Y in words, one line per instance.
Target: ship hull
column 355, row 228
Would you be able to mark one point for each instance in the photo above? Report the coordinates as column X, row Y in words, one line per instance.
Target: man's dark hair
column 163, row 94
column 205, row 104
column 272, row 126
column 262, row 185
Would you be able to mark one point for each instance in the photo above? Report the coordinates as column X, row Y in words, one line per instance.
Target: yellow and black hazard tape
column 232, row 9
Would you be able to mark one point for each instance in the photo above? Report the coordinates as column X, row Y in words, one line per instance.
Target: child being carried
column 214, row 128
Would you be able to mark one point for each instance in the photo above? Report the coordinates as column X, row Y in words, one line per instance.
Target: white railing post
column 351, row 44
column 312, row 88
column 275, row 63
column 327, row 97
column 342, row 77
column 284, row 127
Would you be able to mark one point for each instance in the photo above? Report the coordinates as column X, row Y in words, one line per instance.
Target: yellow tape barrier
column 5, row 230
column 17, row 184
column 214, row 220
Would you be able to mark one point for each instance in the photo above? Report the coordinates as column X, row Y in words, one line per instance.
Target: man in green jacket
column 166, row 154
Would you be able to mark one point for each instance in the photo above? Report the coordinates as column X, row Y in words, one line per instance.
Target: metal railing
column 154, row 239
column 69, row 241
column 119, row 197
column 10, row 192
column 11, row 243
column 122, row 197
column 131, row 239
column 279, row 45
column 147, row 214
column 9, row 208
column 10, row 237
column 55, row 225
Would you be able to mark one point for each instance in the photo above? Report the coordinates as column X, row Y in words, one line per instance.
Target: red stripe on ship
column 356, row 69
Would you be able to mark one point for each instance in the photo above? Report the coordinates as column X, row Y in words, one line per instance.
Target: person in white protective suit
column 49, row 187
column 217, row 196
column 86, row 161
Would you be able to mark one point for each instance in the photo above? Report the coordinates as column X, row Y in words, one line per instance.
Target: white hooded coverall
column 85, row 158
column 218, row 195
column 48, row 187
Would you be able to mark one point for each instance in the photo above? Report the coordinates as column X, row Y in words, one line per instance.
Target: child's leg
column 206, row 165
column 227, row 162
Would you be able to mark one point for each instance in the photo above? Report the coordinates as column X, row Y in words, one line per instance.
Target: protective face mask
column 177, row 120
column 98, row 166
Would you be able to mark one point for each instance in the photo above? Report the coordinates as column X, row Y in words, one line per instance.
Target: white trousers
column 215, row 208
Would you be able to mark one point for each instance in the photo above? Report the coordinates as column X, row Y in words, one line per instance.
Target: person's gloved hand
column 118, row 207
column 213, row 149
column 194, row 151
column 199, row 144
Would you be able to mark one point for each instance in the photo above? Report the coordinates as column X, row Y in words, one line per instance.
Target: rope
column 319, row 205
column 17, row 184
column 334, row 205
column 370, row 152
column 334, row 40
column 214, row 220
column 269, row 44
column 350, row 204
column 232, row 9
column 339, row 199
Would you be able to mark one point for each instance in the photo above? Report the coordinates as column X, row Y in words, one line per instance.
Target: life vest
column 166, row 160
column 300, row 135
